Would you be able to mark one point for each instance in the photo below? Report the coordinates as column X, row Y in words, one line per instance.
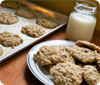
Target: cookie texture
column 48, row 55
column 66, row 74
column 91, row 75
column 8, row 39
column 33, row 30
column 8, row 18
column 88, row 44
column 83, row 54
column 98, row 59
column 1, row 51
column 24, row 12
column 47, row 22
column 11, row 4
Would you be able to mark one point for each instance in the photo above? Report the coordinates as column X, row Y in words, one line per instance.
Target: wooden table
column 14, row 71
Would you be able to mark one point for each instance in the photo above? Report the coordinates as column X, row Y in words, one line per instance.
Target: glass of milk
column 82, row 21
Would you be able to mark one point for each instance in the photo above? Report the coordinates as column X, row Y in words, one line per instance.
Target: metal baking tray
column 16, row 28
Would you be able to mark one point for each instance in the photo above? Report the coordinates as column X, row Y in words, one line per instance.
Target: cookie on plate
column 1, row 51
column 98, row 59
column 8, row 39
column 24, row 12
column 65, row 55
column 47, row 22
column 83, row 54
column 8, row 18
column 11, row 4
column 48, row 55
column 91, row 75
column 66, row 74
column 33, row 30
column 88, row 44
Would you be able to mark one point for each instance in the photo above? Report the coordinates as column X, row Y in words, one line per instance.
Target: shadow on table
column 30, row 78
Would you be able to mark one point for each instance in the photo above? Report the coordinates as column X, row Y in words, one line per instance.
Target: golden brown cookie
column 33, row 30
column 98, row 59
column 8, row 18
column 91, row 75
column 1, row 51
column 24, row 12
column 47, row 22
column 48, row 55
column 66, row 74
column 11, row 4
column 83, row 54
column 88, row 44
column 8, row 39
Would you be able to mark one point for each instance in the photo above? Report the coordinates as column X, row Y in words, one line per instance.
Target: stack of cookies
column 77, row 65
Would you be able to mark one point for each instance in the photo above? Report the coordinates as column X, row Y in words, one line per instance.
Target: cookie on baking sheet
column 66, row 74
column 8, row 39
column 98, row 59
column 47, row 22
column 91, row 75
column 33, row 30
column 1, row 51
column 11, row 4
column 83, row 54
column 48, row 55
column 24, row 12
column 88, row 44
column 8, row 18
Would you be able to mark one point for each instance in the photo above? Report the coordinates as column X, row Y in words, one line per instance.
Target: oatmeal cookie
column 66, row 74
column 8, row 39
column 48, row 55
column 66, row 57
column 98, row 59
column 88, row 44
column 11, row 4
column 24, row 12
column 8, row 18
column 47, row 22
column 33, row 30
column 1, row 51
column 91, row 75
column 83, row 54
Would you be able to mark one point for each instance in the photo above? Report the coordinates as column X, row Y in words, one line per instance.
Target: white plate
column 39, row 71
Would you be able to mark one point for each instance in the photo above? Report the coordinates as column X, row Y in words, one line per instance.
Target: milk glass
column 82, row 21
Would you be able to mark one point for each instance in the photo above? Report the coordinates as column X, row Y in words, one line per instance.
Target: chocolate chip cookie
column 8, row 39
column 33, row 30
column 47, row 22
column 8, row 18
column 1, row 51
column 24, row 12
column 11, row 4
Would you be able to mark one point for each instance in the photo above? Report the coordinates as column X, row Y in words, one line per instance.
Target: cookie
column 11, row 4
column 8, row 39
column 91, row 75
column 47, row 22
column 98, row 59
column 33, row 30
column 65, row 55
column 66, row 74
column 48, row 55
column 8, row 18
column 24, row 12
column 83, row 54
column 88, row 44
column 1, row 51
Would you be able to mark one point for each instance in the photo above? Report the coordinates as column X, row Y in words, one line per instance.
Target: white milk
column 80, row 27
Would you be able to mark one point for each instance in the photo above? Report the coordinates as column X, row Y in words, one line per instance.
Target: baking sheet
column 16, row 28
